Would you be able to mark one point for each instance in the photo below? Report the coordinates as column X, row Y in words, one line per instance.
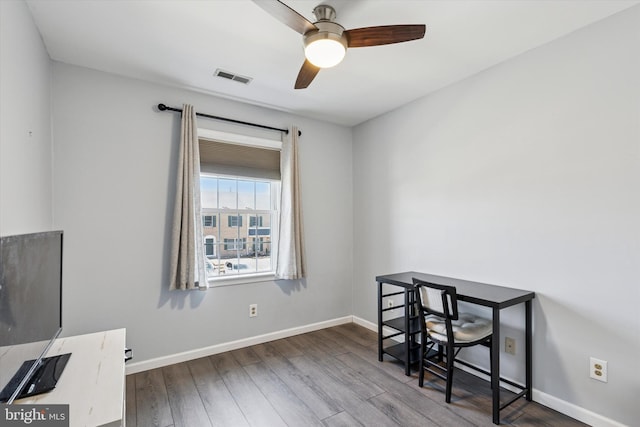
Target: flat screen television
column 30, row 313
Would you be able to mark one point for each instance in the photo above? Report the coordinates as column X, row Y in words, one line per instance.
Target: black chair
column 441, row 324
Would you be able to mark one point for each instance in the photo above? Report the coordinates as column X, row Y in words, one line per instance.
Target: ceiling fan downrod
column 324, row 12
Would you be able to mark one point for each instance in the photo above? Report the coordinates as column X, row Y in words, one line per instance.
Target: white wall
column 25, row 124
column 114, row 188
column 526, row 175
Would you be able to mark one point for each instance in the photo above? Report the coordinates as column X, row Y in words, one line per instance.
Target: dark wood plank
column 322, row 404
column 343, row 419
column 245, row 356
column 286, row 347
column 292, row 410
column 217, row 400
column 393, row 368
column 130, row 402
column 360, row 384
column 531, row 413
column 432, row 410
column 304, row 340
column 366, row 413
column 152, row 403
column 358, row 334
column 397, row 410
column 185, row 402
column 255, row 407
column 358, row 407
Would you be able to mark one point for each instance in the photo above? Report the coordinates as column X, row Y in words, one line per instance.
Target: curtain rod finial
column 162, row 107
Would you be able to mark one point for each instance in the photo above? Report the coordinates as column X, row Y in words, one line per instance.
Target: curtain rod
column 163, row 107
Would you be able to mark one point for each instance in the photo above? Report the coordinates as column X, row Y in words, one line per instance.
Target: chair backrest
column 441, row 300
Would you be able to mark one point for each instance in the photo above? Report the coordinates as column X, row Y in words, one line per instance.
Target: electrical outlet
column 253, row 310
column 510, row 345
column 389, row 303
column 598, row 369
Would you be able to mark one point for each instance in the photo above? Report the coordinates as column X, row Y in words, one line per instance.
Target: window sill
column 241, row 280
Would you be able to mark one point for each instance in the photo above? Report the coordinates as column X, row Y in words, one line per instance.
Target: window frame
column 256, row 141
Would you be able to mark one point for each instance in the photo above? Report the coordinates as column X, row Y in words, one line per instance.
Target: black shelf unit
column 398, row 324
column 408, row 327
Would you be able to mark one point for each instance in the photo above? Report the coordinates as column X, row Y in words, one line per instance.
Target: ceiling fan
column 326, row 41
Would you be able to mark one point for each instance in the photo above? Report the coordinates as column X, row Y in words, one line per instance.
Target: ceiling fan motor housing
column 326, row 30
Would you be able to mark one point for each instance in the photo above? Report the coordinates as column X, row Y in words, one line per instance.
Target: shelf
column 398, row 324
column 398, row 352
column 395, row 327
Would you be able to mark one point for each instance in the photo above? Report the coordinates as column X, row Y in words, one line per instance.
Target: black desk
column 496, row 297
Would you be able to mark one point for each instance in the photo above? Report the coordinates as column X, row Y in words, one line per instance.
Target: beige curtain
column 187, row 258
column 291, row 259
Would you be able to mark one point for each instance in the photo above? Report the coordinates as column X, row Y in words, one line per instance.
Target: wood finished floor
column 330, row 377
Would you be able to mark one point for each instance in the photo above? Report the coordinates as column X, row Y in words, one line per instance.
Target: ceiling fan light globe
column 325, row 53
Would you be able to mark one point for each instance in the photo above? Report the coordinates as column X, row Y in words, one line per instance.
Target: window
column 235, row 221
column 255, row 221
column 209, row 220
column 246, row 210
column 240, row 191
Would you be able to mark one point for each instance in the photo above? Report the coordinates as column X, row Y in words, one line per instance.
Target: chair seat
column 468, row 328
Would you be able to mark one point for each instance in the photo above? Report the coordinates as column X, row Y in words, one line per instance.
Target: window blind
column 239, row 160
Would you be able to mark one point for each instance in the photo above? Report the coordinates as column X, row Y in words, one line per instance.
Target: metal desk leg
column 407, row 333
column 528, row 349
column 380, row 321
column 495, row 365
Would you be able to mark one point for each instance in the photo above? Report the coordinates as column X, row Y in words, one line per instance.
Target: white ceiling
column 182, row 43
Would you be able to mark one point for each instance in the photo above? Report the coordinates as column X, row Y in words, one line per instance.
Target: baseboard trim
column 574, row 411
column 374, row 327
column 159, row 362
column 365, row 323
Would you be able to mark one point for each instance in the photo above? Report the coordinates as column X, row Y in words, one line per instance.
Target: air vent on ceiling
column 231, row 76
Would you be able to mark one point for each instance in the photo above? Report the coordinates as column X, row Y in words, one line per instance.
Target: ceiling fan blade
column 385, row 34
column 286, row 15
column 306, row 75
